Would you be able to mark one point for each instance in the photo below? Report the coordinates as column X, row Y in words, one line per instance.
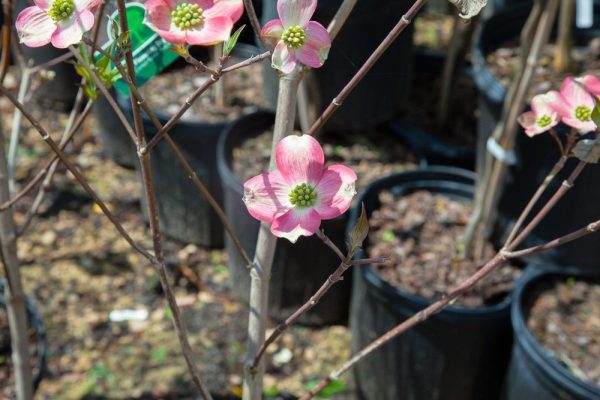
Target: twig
column 405, row 20
column 335, row 277
column 151, row 207
column 72, row 126
column 251, row 13
column 549, row 178
column 321, row 235
column 181, row 158
column 78, row 176
column 419, row 317
column 364, row 261
column 564, row 188
column 44, row 170
column 190, row 100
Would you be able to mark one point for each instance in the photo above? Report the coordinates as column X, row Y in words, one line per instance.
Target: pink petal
column 267, row 196
column 272, row 31
column 592, row 84
column 87, row 4
column 43, row 4
column 34, row 27
column 212, row 31
column 575, row 94
column 335, row 191
column 296, row 12
column 541, row 104
column 581, row 126
column 558, row 103
column 316, row 47
column 283, row 59
column 225, row 8
column 295, row 223
column 300, row 160
column 70, row 31
column 158, row 14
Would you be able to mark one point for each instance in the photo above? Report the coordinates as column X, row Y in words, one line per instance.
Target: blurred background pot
column 534, row 373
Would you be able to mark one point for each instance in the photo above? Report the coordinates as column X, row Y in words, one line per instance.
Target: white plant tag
column 469, row 8
column 585, row 14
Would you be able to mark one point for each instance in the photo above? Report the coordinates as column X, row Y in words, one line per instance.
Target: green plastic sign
column 151, row 53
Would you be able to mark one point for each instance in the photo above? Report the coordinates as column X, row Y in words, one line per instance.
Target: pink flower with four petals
column 194, row 22
column 592, row 84
column 296, row 38
column 60, row 22
column 302, row 191
column 541, row 118
column 574, row 104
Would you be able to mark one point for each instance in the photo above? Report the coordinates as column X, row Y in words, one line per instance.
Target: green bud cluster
column 61, row 10
column 543, row 121
column 583, row 113
column 187, row 15
column 294, row 37
column 303, row 195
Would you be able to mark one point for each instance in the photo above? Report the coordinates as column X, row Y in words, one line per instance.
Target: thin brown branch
column 6, row 30
column 404, row 21
column 313, row 301
column 151, row 207
column 549, row 178
column 321, row 235
column 340, row 17
column 254, row 22
column 42, row 172
column 78, row 176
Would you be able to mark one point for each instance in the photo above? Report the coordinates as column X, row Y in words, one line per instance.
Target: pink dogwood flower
column 194, row 22
column 542, row 116
column 574, row 104
column 299, row 194
column 592, row 84
column 60, row 22
column 296, row 38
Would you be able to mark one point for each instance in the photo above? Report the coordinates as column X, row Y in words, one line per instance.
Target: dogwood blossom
column 60, row 22
column 299, row 194
column 194, row 22
column 296, row 37
column 542, row 116
column 574, row 104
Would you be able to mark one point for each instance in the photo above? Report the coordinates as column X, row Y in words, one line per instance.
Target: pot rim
column 375, row 280
column 547, row 365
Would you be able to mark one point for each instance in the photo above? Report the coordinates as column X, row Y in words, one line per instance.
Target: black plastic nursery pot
column 533, row 373
column 35, row 322
column 459, row 353
column 535, row 156
column 57, row 93
column 184, row 213
column 378, row 97
column 298, row 269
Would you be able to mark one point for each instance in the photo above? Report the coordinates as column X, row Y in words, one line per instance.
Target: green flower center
column 303, row 196
column 293, row 37
column 544, row 121
column 583, row 113
column 61, row 10
column 187, row 15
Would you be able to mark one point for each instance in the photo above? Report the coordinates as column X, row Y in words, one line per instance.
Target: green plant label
column 151, row 53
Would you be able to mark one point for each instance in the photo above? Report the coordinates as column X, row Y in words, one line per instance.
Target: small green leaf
column 159, row 355
column 123, row 39
column 271, row 391
column 232, row 41
column 360, row 230
column 388, row 236
column 596, row 114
